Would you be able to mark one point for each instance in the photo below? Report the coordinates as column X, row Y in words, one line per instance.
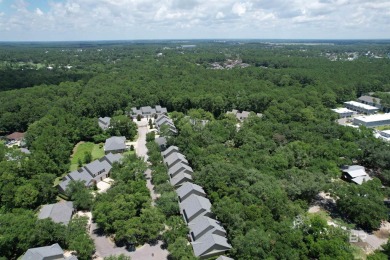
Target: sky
column 76, row 20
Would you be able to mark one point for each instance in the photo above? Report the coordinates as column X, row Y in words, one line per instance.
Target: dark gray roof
column 161, row 117
column 115, row 143
column 104, row 122
column 97, row 167
column 53, row 252
column 179, row 167
column 60, row 212
column 161, row 141
column 113, row 158
column 370, row 99
column 189, row 188
column 203, row 225
column 81, row 175
column 174, row 158
column 180, row 178
column 170, row 150
column 195, row 206
column 210, row 244
column 147, row 110
column 92, row 171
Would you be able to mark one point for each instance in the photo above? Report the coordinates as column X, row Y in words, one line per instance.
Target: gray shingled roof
column 104, row 122
column 147, row 110
column 113, row 158
column 189, row 188
column 369, row 99
column 161, row 117
column 60, row 212
column 165, row 121
column 203, row 225
column 174, row 158
column 195, row 206
column 180, row 178
column 81, row 175
column 161, row 141
column 97, row 167
column 92, row 170
column 46, row 252
column 179, row 167
column 170, row 150
column 210, row 244
column 115, row 143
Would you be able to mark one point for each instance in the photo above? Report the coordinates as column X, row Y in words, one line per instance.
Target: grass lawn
column 95, row 149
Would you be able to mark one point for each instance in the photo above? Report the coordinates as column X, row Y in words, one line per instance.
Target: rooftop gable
column 195, row 205
column 60, row 212
column 180, row 178
column 189, row 188
column 115, row 143
column 174, row 157
column 210, row 244
column 203, row 225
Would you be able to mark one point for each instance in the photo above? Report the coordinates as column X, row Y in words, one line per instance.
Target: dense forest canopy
column 259, row 177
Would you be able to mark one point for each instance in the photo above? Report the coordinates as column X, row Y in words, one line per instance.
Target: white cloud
column 38, row 12
column 219, row 15
column 132, row 19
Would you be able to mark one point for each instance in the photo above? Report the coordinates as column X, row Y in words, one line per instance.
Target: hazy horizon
column 127, row 20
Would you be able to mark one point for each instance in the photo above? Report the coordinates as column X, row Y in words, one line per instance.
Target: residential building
column 360, row 107
column 355, row 173
column 91, row 173
column 175, row 158
column 369, row 100
column 147, row 111
column 53, row 252
column 385, row 133
column 166, row 122
column 104, row 122
column 204, row 225
column 188, row 189
column 179, row 168
column 242, row 115
column 115, row 144
column 343, row 112
column 169, row 150
column 162, row 143
column 210, row 245
column 180, row 179
column 373, row 120
column 60, row 212
column 195, row 206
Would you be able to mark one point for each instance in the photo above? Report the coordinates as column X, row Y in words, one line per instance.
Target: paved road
column 141, row 149
column 104, row 248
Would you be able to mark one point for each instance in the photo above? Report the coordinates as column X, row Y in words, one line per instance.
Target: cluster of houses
column 91, row 173
column 241, row 116
column 147, row 112
column 164, row 121
column 61, row 213
column 367, row 105
column 208, row 237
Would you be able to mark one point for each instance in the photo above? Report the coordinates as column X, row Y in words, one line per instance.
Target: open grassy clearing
column 79, row 153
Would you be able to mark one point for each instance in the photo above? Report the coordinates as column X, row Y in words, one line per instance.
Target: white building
column 360, row 107
column 373, row 120
column 385, row 133
column 343, row 112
